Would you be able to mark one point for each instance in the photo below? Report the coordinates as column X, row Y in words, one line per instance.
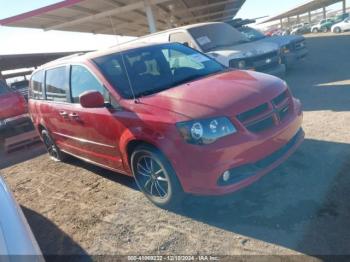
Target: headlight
column 241, row 64
column 285, row 50
column 206, row 131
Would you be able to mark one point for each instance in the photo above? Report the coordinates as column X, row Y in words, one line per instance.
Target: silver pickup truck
column 16, row 238
column 225, row 44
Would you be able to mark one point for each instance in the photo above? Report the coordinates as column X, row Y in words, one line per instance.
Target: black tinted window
column 82, row 80
column 3, row 88
column 36, row 85
column 56, row 84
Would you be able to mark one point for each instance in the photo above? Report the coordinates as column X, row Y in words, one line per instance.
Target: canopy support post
column 344, row 6
column 324, row 13
column 150, row 17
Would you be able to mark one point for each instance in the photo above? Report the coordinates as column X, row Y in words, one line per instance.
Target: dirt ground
column 300, row 208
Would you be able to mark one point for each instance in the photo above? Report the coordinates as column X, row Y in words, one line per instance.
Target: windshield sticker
column 199, row 58
column 203, row 40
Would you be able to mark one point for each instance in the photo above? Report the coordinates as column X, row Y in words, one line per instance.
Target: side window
column 82, row 80
column 181, row 38
column 36, row 90
column 56, row 84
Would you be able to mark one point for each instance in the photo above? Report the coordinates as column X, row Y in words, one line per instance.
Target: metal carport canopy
column 304, row 8
column 124, row 17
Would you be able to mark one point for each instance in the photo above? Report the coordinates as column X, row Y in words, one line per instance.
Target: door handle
column 63, row 114
column 74, row 115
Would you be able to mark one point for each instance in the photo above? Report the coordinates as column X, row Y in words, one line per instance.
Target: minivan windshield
column 155, row 68
column 218, row 35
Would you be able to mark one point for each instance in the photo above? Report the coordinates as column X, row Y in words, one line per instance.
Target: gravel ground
column 300, row 208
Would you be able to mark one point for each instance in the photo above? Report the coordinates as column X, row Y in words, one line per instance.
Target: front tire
column 54, row 152
column 155, row 177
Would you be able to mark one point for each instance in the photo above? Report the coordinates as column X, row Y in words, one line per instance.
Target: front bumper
column 200, row 168
column 14, row 125
column 293, row 57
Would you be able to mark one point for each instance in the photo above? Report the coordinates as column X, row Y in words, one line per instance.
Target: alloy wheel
column 151, row 177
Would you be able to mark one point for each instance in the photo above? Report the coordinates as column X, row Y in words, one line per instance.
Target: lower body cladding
column 236, row 161
column 293, row 57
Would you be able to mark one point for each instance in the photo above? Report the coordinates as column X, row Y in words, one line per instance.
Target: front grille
column 261, row 125
column 253, row 112
column 260, row 62
column 266, row 115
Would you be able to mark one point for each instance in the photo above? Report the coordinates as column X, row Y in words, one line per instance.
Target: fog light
column 226, row 176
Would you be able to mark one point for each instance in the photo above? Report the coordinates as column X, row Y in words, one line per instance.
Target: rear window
column 36, row 85
column 57, row 84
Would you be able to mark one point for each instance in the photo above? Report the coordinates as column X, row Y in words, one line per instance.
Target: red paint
column 12, row 104
column 101, row 135
column 39, row 11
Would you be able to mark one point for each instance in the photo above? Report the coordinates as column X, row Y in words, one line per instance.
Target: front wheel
column 54, row 152
column 155, row 177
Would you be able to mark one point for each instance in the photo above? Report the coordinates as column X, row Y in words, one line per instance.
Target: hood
column 11, row 104
column 285, row 40
column 246, row 50
column 225, row 94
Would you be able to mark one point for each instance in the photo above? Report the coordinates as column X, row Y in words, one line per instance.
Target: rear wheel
column 54, row 152
column 155, row 177
column 337, row 30
column 315, row 30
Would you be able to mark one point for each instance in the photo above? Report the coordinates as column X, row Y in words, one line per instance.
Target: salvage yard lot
column 301, row 207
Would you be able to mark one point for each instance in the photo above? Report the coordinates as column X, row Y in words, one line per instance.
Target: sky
column 36, row 40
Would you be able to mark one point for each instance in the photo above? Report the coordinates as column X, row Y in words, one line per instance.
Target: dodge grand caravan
column 175, row 119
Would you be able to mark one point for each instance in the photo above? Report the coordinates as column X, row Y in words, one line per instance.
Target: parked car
column 342, row 26
column 16, row 238
column 300, row 29
column 323, row 26
column 293, row 48
column 225, row 44
column 21, row 87
column 172, row 117
column 14, row 116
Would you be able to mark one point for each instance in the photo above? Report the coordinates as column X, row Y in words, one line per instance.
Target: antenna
column 136, row 100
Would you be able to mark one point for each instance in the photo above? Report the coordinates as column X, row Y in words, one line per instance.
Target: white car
column 226, row 45
column 342, row 26
column 16, row 237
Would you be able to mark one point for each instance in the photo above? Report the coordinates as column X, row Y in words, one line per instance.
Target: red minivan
column 173, row 118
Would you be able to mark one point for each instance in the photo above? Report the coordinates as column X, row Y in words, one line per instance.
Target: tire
column 315, row 30
column 337, row 30
column 324, row 29
column 52, row 149
column 156, row 178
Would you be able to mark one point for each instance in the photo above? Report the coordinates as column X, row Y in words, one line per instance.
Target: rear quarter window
column 36, row 90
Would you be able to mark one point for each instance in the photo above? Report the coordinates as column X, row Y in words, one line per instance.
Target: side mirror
column 91, row 99
column 186, row 44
